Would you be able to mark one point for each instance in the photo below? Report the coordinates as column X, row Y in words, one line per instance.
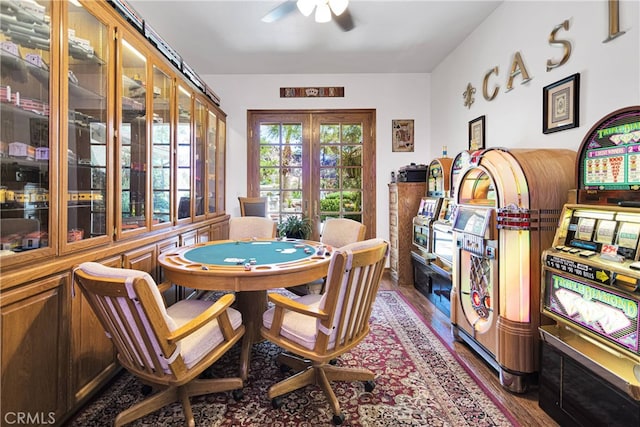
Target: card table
column 249, row 268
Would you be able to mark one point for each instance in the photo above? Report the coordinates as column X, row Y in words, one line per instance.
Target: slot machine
column 507, row 207
column 591, row 284
column 438, row 175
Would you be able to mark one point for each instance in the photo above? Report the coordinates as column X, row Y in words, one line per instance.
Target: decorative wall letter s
column 567, row 46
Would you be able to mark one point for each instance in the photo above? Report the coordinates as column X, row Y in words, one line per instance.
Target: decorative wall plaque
column 312, row 92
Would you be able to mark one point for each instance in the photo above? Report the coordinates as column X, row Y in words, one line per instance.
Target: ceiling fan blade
column 344, row 20
column 280, row 11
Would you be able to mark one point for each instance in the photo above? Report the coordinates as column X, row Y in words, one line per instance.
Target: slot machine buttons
column 574, row 251
column 587, row 254
column 635, row 265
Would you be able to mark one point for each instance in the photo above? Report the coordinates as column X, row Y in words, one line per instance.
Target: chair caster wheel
column 146, row 390
column 369, row 386
column 237, row 394
column 284, row 368
column 338, row 419
column 276, row 402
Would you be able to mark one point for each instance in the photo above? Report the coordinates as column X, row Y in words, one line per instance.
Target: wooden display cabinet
column 34, row 350
column 404, row 201
column 109, row 152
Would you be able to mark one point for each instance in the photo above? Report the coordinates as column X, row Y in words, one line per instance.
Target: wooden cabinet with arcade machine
column 404, row 200
column 590, row 371
column 508, row 204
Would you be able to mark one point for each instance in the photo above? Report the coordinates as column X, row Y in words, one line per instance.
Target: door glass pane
column 87, row 133
column 198, row 170
column 281, row 178
column 161, row 147
column 24, row 133
column 340, row 171
column 211, row 161
column 183, row 159
column 133, row 137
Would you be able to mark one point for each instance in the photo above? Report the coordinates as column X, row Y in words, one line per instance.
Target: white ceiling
column 393, row 36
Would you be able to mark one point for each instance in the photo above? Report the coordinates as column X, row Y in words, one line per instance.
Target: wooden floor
column 523, row 406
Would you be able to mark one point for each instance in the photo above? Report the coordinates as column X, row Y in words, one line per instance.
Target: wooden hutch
column 111, row 150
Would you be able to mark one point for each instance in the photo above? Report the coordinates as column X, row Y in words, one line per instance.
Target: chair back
column 249, row 227
column 253, row 206
column 355, row 272
column 338, row 232
column 132, row 312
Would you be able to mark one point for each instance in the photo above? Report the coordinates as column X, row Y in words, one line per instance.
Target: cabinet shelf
column 17, row 161
column 15, row 109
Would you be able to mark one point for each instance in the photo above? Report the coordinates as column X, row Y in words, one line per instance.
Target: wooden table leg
column 252, row 304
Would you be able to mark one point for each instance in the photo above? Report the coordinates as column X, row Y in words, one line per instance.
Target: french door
column 315, row 164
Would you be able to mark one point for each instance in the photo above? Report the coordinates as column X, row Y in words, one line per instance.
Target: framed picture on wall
column 402, row 135
column 560, row 102
column 476, row 134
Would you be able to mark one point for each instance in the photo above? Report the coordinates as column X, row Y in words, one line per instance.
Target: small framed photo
column 476, row 134
column 560, row 102
column 402, row 135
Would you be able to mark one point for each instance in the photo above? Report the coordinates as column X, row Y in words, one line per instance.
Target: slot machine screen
column 611, row 160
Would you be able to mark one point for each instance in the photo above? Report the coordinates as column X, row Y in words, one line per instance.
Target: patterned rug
column 419, row 382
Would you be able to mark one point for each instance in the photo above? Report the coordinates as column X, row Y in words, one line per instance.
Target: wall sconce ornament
column 468, row 95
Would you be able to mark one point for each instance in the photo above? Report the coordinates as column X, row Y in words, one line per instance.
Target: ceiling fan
column 325, row 10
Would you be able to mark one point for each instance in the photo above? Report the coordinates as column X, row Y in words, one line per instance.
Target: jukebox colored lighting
column 515, row 269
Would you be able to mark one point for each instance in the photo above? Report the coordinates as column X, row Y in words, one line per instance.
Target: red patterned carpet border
column 419, row 382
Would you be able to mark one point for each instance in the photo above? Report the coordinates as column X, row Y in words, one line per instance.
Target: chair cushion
column 201, row 342
column 295, row 326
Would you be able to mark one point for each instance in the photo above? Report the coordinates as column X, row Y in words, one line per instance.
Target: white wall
column 609, row 72
column 610, row 79
column 393, row 96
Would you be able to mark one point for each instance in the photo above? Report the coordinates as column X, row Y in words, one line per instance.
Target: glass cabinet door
column 161, row 132
column 200, row 126
column 183, row 158
column 85, row 138
column 221, row 166
column 25, row 82
column 212, row 126
column 132, row 138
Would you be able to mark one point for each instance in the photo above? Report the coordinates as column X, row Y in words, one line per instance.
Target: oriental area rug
column 419, row 382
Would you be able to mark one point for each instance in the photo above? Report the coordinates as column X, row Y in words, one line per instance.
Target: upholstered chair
column 315, row 329
column 336, row 233
column 166, row 348
column 253, row 206
column 250, row 227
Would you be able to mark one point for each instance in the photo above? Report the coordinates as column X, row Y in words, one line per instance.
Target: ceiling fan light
column 323, row 13
column 338, row 6
column 306, row 6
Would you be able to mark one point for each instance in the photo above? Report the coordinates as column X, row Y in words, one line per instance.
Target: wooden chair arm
column 164, row 286
column 283, row 302
column 217, row 309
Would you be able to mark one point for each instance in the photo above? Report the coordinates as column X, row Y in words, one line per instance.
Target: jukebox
column 428, row 279
column 507, row 207
column 591, row 284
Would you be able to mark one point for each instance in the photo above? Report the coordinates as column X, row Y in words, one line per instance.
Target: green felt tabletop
column 241, row 252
